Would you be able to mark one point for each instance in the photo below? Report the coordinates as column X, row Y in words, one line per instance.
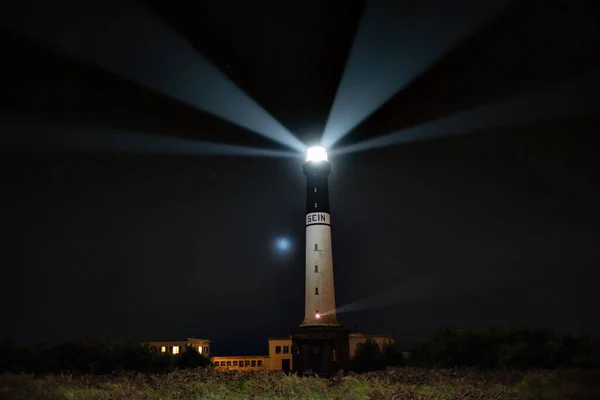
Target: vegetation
column 506, row 349
column 397, row 384
column 491, row 363
column 92, row 356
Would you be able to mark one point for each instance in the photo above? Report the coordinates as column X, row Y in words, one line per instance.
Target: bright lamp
column 316, row 154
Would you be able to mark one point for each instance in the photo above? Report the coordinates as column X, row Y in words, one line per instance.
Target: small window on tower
column 315, row 205
column 316, row 269
column 316, row 247
column 315, row 189
column 316, row 291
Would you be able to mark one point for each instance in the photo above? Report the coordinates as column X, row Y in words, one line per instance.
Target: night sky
column 499, row 226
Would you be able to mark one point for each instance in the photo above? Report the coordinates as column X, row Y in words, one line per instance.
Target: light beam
column 49, row 136
column 397, row 41
column 126, row 38
column 567, row 98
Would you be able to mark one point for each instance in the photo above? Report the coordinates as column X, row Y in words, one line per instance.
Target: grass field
column 401, row 383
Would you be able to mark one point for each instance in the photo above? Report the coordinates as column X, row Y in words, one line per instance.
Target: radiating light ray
column 126, row 38
column 568, row 98
column 397, row 41
column 415, row 290
column 47, row 136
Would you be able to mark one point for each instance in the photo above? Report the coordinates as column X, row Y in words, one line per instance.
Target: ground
column 396, row 384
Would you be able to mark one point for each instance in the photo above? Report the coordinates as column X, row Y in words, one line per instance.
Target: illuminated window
column 229, row 363
column 260, row 363
column 277, row 349
column 316, row 269
column 163, row 349
column 175, row 349
column 235, row 363
column 316, row 291
column 200, row 349
column 254, row 363
column 316, row 247
column 315, row 189
column 315, row 205
column 247, row 363
column 286, row 349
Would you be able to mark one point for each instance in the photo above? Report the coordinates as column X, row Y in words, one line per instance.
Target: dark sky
column 496, row 227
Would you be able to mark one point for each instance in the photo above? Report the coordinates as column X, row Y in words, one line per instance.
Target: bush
column 192, row 359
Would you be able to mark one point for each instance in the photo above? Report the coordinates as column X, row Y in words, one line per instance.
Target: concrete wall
column 357, row 338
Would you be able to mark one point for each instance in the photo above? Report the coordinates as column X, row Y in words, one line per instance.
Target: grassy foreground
column 396, row 384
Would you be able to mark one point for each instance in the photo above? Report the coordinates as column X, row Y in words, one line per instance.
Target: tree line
column 94, row 356
column 492, row 348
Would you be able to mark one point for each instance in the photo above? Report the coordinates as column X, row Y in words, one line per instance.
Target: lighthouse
column 319, row 303
column 320, row 343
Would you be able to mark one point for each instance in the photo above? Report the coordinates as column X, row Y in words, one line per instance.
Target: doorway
column 285, row 365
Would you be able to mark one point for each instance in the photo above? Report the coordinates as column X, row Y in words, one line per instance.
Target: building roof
column 187, row 340
column 240, row 357
column 372, row 335
column 281, row 338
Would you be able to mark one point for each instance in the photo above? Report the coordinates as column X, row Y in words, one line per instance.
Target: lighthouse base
column 322, row 350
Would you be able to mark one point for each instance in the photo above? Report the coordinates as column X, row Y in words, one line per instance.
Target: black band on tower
column 317, row 187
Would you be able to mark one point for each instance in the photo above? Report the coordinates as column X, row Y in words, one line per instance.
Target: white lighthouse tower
column 320, row 344
column 319, row 307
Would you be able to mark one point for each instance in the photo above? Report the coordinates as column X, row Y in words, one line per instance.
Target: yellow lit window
column 163, row 349
column 200, row 349
column 175, row 349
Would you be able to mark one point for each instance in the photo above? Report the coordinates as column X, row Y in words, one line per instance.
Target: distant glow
column 129, row 39
column 395, row 43
column 163, row 349
column 567, row 98
column 175, row 349
column 283, row 244
column 26, row 134
column 317, row 315
column 316, row 154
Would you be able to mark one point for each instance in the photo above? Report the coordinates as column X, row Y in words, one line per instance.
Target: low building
column 240, row 363
column 280, row 354
column 202, row 346
column 280, row 357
